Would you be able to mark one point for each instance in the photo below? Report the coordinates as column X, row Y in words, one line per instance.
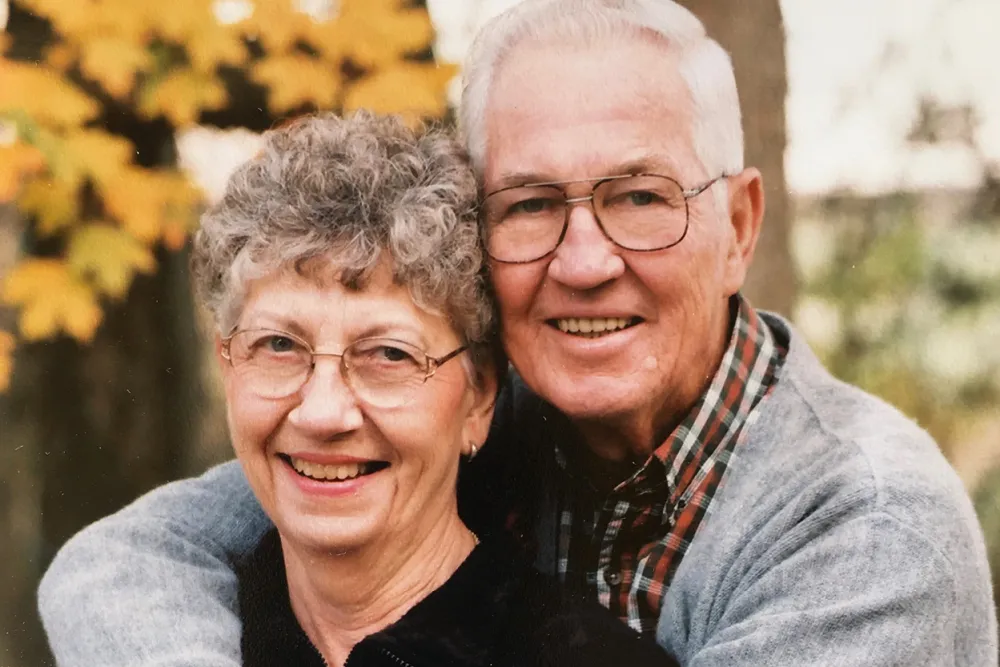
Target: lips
column 338, row 472
column 593, row 327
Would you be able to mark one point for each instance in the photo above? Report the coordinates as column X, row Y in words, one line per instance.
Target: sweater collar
column 454, row 625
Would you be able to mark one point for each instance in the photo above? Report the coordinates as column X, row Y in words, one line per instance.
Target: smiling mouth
column 594, row 327
column 333, row 473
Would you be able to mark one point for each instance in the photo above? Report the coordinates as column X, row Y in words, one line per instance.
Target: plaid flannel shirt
column 624, row 548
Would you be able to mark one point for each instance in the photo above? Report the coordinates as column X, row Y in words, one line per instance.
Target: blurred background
column 876, row 124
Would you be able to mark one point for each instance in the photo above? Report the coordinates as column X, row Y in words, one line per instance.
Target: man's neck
column 605, row 474
column 339, row 599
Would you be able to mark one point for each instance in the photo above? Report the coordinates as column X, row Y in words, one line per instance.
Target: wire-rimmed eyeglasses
column 383, row 372
column 639, row 212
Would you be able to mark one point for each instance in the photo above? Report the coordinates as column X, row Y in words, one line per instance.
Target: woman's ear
column 219, row 359
column 484, row 390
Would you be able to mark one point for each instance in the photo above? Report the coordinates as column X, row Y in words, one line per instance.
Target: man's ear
column 746, row 215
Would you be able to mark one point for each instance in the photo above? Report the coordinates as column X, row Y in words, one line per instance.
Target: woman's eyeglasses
column 382, row 372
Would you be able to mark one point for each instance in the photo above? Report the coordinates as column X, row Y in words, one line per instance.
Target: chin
column 589, row 397
column 327, row 534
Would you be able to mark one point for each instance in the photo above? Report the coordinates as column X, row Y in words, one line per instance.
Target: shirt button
column 612, row 578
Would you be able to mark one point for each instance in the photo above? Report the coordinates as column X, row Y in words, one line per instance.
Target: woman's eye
column 278, row 344
column 393, row 354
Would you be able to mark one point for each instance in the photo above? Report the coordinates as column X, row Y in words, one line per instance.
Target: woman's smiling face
column 335, row 472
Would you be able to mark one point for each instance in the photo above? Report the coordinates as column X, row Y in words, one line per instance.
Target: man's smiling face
column 561, row 112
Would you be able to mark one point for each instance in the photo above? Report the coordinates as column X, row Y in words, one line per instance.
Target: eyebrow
column 269, row 320
column 391, row 328
column 516, row 179
column 641, row 164
column 648, row 164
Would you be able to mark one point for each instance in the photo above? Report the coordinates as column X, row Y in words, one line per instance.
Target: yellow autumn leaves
column 6, row 348
column 56, row 295
column 51, row 299
column 78, row 183
column 17, row 160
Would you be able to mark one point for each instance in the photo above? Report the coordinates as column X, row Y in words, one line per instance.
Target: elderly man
column 666, row 449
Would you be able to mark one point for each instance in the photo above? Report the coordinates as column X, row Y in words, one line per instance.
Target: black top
column 495, row 610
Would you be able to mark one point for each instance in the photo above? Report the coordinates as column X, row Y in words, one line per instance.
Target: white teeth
column 328, row 472
column 591, row 326
column 569, row 326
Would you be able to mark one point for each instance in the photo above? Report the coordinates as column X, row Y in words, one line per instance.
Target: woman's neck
column 339, row 599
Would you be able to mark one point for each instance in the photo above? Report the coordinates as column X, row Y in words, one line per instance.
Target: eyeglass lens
column 380, row 371
column 638, row 213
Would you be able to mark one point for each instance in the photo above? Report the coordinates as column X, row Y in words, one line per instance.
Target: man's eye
column 641, row 198
column 530, row 206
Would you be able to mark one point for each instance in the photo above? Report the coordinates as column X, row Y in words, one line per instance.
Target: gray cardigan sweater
column 840, row 536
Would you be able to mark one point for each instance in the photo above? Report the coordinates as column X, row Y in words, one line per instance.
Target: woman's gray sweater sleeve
column 154, row 583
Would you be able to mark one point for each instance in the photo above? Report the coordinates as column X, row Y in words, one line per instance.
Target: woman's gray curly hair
column 351, row 191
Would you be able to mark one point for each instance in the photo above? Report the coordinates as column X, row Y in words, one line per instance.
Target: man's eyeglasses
column 382, row 372
column 641, row 212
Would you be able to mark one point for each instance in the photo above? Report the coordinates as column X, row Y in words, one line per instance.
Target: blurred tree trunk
column 753, row 33
column 20, row 534
column 86, row 429
column 90, row 428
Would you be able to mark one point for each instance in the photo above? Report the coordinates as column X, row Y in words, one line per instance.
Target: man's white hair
column 704, row 65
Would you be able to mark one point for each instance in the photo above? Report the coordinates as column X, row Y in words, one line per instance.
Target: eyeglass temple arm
column 694, row 192
column 434, row 363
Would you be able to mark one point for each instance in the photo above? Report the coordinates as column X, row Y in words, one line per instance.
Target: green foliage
column 987, row 501
column 904, row 303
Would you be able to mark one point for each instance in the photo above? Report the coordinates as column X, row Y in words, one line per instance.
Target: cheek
column 515, row 286
column 427, row 433
column 689, row 277
column 709, row 245
column 251, row 421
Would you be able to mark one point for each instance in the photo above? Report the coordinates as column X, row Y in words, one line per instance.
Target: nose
column 328, row 407
column 586, row 258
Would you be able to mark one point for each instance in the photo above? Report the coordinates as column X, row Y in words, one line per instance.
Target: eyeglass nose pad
column 342, row 370
column 592, row 212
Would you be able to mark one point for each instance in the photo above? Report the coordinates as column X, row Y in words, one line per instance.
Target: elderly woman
column 344, row 272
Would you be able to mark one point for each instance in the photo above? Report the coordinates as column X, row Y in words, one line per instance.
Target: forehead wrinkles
column 321, row 307
column 638, row 55
column 562, row 103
